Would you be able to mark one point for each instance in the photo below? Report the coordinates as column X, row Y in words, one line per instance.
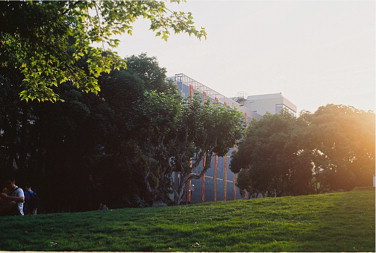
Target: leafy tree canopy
column 272, row 157
column 331, row 149
column 46, row 40
column 203, row 129
column 343, row 139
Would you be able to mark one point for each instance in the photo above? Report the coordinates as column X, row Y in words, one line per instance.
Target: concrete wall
column 271, row 103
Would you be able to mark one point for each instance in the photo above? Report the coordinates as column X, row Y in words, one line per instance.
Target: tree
column 273, row 158
column 87, row 145
column 174, row 135
column 202, row 131
column 344, row 146
column 331, row 149
column 157, row 117
column 153, row 76
column 46, row 40
column 50, row 145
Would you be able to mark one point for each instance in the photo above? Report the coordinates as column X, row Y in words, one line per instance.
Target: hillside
column 327, row 222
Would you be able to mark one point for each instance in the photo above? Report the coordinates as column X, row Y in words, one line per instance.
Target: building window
column 280, row 107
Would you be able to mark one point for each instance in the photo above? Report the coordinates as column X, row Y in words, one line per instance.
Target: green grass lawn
column 328, row 222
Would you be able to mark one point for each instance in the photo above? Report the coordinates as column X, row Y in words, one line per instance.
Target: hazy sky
column 314, row 52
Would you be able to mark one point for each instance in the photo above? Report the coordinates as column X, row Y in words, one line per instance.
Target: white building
column 271, row 103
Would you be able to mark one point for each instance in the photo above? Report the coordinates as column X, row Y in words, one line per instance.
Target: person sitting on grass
column 11, row 198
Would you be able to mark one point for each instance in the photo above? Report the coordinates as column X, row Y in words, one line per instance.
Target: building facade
column 219, row 182
column 269, row 103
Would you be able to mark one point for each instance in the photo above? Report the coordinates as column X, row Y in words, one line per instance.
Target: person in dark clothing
column 31, row 201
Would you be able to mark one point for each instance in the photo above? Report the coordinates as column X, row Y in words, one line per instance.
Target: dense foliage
column 119, row 147
column 331, row 149
column 46, row 40
column 202, row 131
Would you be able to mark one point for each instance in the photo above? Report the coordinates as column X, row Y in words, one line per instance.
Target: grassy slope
column 328, row 222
